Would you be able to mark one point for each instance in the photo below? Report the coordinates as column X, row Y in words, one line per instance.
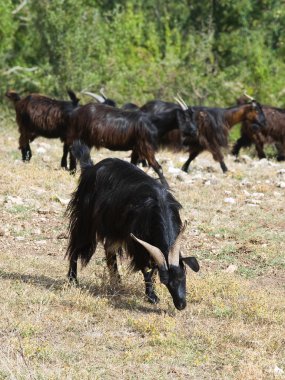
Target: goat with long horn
column 118, row 204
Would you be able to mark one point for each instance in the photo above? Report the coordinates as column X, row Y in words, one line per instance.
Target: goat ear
column 192, row 263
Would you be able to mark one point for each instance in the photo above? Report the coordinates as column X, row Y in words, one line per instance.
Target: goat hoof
column 73, row 281
column 153, row 298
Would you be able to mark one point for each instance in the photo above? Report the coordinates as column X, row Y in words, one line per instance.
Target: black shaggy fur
column 170, row 138
column 115, row 199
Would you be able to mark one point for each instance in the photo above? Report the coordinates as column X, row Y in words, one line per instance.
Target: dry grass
column 233, row 326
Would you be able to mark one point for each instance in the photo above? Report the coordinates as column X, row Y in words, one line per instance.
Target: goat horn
column 181, row 102
column 248, row 96
column 174, row 253
column 102, row 93
column 155, row 252
column 99, row 98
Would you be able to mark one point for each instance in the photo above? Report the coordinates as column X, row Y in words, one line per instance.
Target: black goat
column 119, row 205
column 100, row 126
column 273, row 133
column 171, row 138
column 213, row 127
column 39, row 115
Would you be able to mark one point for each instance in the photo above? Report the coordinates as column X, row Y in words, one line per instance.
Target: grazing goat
column 213, row 127
column 100, row 126
column 39, row 115
column 122, row 207
column 273, row 133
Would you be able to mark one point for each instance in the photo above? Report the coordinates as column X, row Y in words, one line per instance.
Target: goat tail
column 82, row 153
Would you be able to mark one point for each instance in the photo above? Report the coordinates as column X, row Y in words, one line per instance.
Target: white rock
column 173, row 170
column 231, row 268
column 278, row 371
column 257, row 195
column 14, row 200
column 281, row 184
column 230, row 200
column 41, row 150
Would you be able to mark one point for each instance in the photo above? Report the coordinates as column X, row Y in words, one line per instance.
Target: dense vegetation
column 210, row 51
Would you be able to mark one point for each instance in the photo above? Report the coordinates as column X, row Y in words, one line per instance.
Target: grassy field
column 234, row 323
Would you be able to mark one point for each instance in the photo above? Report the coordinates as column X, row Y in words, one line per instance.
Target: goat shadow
column 119, row 298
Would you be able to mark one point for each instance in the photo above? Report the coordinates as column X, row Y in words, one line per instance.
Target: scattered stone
column 257, row 195
column 281, row 172
column 230, row 200
column 41, row 242
column 14, row 200
column 281, row 184
column 46, row 159
column 20, row 238
column 231, row 268
column 173, row 170
column 2, row 232
column 245, row 182
column 43, row 211
column 253, row 201
column 278, row 371
column 41, row 150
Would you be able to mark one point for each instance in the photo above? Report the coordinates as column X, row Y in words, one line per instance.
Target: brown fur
column 274, row 132
column 99, row 125
column 213, row 128
column 39, row 115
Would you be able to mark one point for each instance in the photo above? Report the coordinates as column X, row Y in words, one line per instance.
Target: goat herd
column 116, row 203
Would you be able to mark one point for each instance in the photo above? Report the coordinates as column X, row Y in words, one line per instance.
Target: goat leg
column 217, row 156
column 64, row 156
column 72, row 272
column 111, row 260
column 72, row 162
column 25, row 147
column 192, row 155
column 243, row 142
column 148, row 274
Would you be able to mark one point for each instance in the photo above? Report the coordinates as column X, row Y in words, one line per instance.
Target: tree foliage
column 209, row 51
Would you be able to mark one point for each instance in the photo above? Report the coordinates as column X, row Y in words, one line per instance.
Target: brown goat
column 39, row 115
column 213, row 127
column 273, row 133
column 100, row 125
